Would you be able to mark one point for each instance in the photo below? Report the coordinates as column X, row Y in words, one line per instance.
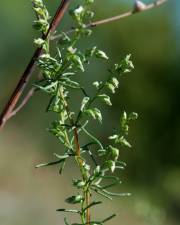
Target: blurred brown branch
column 23, row 103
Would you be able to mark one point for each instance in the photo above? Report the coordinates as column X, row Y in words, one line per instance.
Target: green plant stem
column 84, row 176
column 80, row 163
column 88, row 217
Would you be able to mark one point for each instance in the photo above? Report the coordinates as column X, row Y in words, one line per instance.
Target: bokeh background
column 29, row 196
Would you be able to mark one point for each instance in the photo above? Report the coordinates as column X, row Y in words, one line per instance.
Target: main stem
column 80, row 163
column 78, row 159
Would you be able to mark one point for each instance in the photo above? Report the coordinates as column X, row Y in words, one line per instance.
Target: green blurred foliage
column 152, row 90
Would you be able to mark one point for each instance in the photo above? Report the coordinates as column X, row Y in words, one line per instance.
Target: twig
column 114, row 18
column 25, row 100
column 29, row 69
column 130, row 13
column 23, row 103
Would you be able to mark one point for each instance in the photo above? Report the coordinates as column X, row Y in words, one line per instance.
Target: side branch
column 116, row 18
column 130, row 13
column 23, row 103
column 29, row 69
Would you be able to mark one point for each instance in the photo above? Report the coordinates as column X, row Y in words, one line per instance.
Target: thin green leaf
column 65, row 221
column 116, row 194
column 102, row 193
column 48, row 164
column 90, row 205
column 110, row 185
column 62, row 156
column 92, row 137
column 68, row 211
column 62, row 166
column 109, row 218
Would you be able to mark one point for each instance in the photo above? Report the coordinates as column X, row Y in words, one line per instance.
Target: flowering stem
column 10, row 106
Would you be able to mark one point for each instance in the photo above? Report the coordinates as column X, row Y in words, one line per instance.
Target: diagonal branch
column 30, row 67
column 23, row 103
column 130, row 13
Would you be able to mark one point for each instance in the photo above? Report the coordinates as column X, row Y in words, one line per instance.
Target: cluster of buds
column 41, row 24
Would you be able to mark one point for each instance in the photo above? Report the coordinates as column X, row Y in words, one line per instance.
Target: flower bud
column 139, row 6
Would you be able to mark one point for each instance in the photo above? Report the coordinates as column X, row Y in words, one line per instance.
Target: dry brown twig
column 9, row 109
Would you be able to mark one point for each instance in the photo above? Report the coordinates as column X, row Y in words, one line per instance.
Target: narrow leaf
column 109, row 218
column 68, row 210
column 48, row 164
column 65, row 221
column 90, row 205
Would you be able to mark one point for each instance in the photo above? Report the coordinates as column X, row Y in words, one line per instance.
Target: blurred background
column 29, row 196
